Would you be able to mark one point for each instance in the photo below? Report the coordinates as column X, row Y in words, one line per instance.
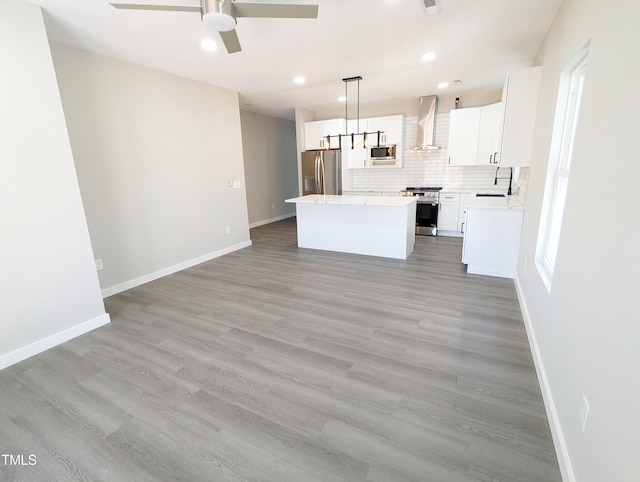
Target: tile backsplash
column 429, row 168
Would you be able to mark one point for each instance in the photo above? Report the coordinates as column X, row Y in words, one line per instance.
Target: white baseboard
column 271, row 220
column 127, row 285
column 53, row 340
column 552, row 414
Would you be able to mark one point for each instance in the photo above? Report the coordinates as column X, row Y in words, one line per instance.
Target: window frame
column 571, row 88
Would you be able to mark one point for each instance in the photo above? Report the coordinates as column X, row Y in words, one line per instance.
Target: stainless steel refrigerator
column 321, row 172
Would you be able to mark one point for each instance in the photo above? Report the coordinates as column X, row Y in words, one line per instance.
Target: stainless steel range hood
column 426, row 123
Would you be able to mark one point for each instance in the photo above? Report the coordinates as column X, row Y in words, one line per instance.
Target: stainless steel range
column 427, row 208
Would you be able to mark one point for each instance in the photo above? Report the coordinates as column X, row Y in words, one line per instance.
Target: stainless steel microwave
column 377, row 153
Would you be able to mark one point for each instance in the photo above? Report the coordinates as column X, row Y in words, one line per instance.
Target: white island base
column 374, row 226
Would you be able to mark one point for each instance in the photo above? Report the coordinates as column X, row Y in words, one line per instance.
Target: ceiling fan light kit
column 218, row 15
column 221, row 15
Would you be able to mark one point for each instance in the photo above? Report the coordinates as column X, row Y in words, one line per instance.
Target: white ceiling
column 476, row 41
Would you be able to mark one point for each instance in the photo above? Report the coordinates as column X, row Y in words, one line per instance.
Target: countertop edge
column 381, row 201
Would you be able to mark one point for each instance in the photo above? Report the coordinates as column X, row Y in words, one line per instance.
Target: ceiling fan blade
column 432, row 7
column 170, row 8
column 274, row 10
column 231, row 42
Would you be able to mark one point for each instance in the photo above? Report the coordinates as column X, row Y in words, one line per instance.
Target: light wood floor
column 280, row 364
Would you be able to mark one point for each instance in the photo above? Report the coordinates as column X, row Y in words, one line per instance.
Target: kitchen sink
column 488, row 195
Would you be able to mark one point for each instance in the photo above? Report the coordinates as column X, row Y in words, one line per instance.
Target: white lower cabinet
column 462, row 211
column 448, row 212
column 451, row 213
column 492, row 240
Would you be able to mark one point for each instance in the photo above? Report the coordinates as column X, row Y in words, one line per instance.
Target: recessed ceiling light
column 299, row 80
column 443, row 85
column 428, row 57
column 342, row 98
column 209, row 44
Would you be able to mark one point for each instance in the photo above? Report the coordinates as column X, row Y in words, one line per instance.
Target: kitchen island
column 371, row 225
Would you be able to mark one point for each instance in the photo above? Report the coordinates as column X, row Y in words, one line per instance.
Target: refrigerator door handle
column 318, row 173
column 323, row 185
column 338, row 173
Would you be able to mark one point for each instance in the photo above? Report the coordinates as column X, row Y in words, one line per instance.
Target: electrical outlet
column 99, row 265
column 584, row 413
column 237, row 185
column 227, row 229
column 273, row 206
column 230, row 182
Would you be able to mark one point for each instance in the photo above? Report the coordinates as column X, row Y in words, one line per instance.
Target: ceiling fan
column 222, row 15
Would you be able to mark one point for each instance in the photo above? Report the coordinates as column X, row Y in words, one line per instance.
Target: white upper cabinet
column 394, row 129
column 313, row 135
column 391, row 129
column 373, row 125
column 488, row 138
column 519, row 108
column 316, row 132
column 356, row 157
column 355, row 126
column 473, row 135
column 464, row 129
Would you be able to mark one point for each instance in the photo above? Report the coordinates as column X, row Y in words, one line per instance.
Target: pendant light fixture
column 353, row 135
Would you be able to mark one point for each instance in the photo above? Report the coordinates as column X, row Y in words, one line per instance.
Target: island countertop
column 353, row 200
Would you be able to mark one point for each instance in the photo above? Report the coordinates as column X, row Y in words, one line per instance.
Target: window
column 560, row 157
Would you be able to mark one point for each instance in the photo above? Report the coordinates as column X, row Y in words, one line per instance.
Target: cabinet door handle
column 495, row 158
column 491, row 159
column 462, row 228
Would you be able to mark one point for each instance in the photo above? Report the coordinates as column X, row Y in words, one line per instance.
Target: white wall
column 271, row 167
column 48, row 283
column 154, row 155
column 585, row 332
